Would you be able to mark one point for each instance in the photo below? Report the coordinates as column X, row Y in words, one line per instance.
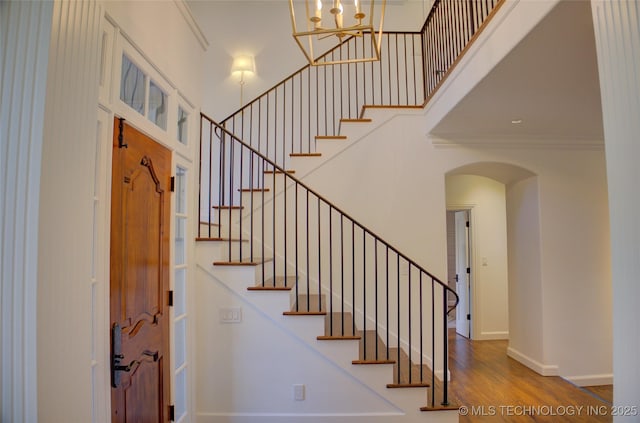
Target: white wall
column 66, row 219
column 24, row 53
column 489, row 289
column 526, row 341
column 616, row 29
column 403, row 200
column 165, row 31
column 248, row 369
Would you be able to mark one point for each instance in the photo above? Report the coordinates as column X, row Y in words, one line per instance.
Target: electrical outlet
column 298, row 392
column 231, row 315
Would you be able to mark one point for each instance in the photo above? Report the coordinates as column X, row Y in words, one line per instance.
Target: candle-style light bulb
column 317, row 17
column 359, row 15
column 339, row 14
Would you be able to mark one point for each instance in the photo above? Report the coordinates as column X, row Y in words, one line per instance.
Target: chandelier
column 322, row 25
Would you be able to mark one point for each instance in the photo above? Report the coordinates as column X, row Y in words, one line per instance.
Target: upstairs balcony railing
column 312, row 101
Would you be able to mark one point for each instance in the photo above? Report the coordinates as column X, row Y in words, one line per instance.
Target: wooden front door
column 140, row 213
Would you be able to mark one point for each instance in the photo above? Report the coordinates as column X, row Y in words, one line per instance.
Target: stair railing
column 286, row 118
column 334, row 265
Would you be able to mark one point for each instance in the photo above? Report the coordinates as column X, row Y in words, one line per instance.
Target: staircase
column 302, row 263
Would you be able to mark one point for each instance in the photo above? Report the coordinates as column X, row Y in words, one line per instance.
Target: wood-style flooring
column 491, row 387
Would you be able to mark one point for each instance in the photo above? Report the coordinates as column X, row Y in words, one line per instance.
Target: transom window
column 143, row 94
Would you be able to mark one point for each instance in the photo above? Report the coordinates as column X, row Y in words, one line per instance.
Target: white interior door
column 463, row 276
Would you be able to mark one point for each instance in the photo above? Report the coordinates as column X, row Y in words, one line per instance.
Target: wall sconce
column 243, row 65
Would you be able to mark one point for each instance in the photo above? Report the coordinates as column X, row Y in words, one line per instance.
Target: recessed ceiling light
column 516, row 121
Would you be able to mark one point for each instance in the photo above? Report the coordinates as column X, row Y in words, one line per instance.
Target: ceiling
column 549, row 81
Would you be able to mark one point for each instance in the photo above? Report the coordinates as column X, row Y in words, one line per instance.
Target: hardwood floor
column 491, row 387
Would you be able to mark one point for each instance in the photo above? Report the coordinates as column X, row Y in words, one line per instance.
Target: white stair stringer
column 340, row 354
column 355, row 133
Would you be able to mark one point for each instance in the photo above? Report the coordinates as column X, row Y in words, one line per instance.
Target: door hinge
column 468, row 317
column 121, row 142
column 457, row 278
column 170, row 299
column 467, row 224
column 172, row 413
column 468, row 270
column 173, row 184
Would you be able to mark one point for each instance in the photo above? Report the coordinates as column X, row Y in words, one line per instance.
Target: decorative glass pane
column 181, row 342
column 179, row 240
column 181, row 190
column 181, row 394
column 157, row 106
column 183, row 119
column 180, row 293
column 132, row 85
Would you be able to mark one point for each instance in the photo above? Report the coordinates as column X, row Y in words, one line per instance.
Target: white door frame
column 472, row 301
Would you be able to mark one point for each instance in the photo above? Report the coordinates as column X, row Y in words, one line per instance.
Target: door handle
column 116, row 357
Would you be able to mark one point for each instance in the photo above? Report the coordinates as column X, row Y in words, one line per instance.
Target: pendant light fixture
column 320, row 25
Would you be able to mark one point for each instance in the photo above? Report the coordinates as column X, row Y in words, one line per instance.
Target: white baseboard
column 542, row 369
column 591, row 380
column 493, row 336
column 439, row 417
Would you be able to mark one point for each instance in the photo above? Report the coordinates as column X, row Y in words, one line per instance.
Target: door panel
column 140, row 214
column 463, row 322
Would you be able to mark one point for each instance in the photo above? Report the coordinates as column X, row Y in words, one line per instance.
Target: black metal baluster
column 240, row 197
column 387, row 277
column 251, row 187
column 297, row 267
column 445, row 351
column 342, row 274
column 398, row 311
column 409, row 319
column 273, row 219
column 319, row 261
column 284, row 211
column 364, row 287
column 326, row 131
column 421, row 336
column 231, row 163
column 308, row 269
column 375, row 261
column 353, row 280
column 330, row 271
column 397, row 70
column 433, row 345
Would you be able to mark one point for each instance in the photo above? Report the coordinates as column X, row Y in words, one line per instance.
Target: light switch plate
column 231, row 315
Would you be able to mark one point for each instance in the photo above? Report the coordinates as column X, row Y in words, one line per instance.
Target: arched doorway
column 499, row 199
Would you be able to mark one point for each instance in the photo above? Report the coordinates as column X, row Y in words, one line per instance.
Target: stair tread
column 339, row 338
column 247, row 261
column 253, row 189
column 305, row 154
column 227, row 207
column 279, row 172
column 373, row 362
column 304, row 313
column 204, row 238
column 363, row 120
column 408, row 385
column 331, row 137
column 280, row 284
column 440, row 407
